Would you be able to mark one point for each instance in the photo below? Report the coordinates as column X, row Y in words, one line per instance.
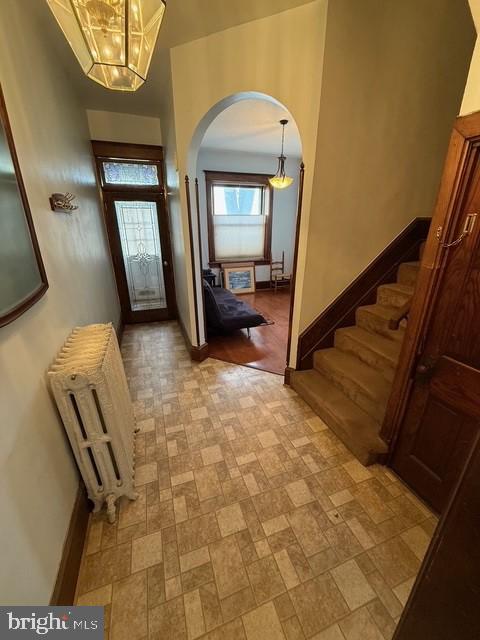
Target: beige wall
column 471, row 98
column 179, row 248
column 280, row 56
column 124, row 127
column 393, row 80
column 38, row 480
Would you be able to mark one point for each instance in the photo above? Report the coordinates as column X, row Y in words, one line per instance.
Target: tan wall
column 393, row 80
column 38, row 480
column 280, row 56
column 124, row 127
column 178, row 238
column 471, row 98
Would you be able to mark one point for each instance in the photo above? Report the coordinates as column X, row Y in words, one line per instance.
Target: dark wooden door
column 444, row 601
column 442, row 419
column 139, row 237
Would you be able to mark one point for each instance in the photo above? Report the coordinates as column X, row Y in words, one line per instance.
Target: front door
column 140, row 243
column 443, row 413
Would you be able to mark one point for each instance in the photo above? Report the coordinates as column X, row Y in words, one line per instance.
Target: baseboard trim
column 362, row 291
column 65, row 585
column 199, row 354
column 287, row 376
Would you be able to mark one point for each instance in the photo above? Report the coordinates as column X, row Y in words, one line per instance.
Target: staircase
column 350, row 383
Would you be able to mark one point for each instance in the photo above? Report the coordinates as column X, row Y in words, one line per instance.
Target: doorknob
column 165, row 263
column 425, row 368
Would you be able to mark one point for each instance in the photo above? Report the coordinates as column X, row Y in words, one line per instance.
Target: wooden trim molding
column 199, row 354
column 362, row 291
column 465, row 137
column 287, row 375
column 224, row 177
column 301, row 183
column 132, row 154
column 42, row 287
column 65, row 585
column 192, row 257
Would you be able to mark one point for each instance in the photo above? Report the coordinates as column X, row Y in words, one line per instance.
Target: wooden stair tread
column 357, row 430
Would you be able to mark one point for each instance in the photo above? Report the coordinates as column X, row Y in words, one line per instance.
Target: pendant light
column 280, row 180
column 113, row 40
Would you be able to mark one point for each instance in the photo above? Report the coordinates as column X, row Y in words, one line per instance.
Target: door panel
column 443, row 414
column 140, row 243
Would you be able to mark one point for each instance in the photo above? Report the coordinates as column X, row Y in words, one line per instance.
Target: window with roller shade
column 239, row 209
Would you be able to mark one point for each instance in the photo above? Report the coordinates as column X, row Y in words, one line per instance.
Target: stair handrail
column 401, row 313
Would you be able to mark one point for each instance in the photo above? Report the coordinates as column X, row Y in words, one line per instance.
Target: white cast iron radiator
column 90, row 387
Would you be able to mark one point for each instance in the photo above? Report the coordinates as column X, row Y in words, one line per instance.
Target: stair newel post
column 301, row 181
column 192, row 256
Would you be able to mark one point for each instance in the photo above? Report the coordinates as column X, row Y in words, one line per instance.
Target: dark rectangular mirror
column 22, row 275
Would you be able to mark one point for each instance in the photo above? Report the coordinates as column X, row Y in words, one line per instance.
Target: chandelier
column 113, row 40
column 280, row 180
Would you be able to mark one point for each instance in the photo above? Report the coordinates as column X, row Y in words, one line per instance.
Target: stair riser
column 376, row 324
column 365, row 457
column 350, row 388
column 391, row 298
column 376, row 360
column 407, row 274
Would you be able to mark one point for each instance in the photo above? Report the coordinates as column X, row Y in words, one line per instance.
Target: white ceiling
column 253, row 126
column 185, row 20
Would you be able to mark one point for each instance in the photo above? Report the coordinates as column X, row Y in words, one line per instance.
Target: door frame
column 446, row 217
column 137, row 153
column 148, row 315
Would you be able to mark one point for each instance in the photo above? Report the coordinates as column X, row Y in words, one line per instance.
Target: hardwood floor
column 266, row 349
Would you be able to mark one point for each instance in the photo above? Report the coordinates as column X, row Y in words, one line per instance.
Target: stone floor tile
column 211, row 455
column 299, row 493
column 418, row 541
column 129, row 608
column 402, row 591
column 309, row 534
column 318, row 604
column 231, row 631
column 287, row 570
column 194, row 614
column 353, row 584
column 237, row 604
column 265, row 579
column 146, row 551
column 168, row 621
column 230, row 520
column 208, row 484
column 235, row 473
column 293, row 629
column 104, row 567
column 332, row 633
column 97, row 598
column 272, row 504
column 395, row 561
column 360, row 626
column 263, row 624
column 197, row 533
column 230, row 574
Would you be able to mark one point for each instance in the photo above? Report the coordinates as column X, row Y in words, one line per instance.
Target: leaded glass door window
column 139, row 238
column 139, row 231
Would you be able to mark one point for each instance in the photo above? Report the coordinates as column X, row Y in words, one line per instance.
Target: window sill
column 258, row 263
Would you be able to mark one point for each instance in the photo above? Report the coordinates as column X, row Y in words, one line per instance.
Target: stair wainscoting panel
column 350, row 383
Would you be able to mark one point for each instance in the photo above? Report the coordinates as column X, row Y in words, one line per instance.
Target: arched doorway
column 239, row 140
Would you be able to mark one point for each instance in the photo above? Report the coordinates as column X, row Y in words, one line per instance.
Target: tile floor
column 253, row 521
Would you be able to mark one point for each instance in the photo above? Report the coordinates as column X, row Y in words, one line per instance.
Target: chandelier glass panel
column 113, row 40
